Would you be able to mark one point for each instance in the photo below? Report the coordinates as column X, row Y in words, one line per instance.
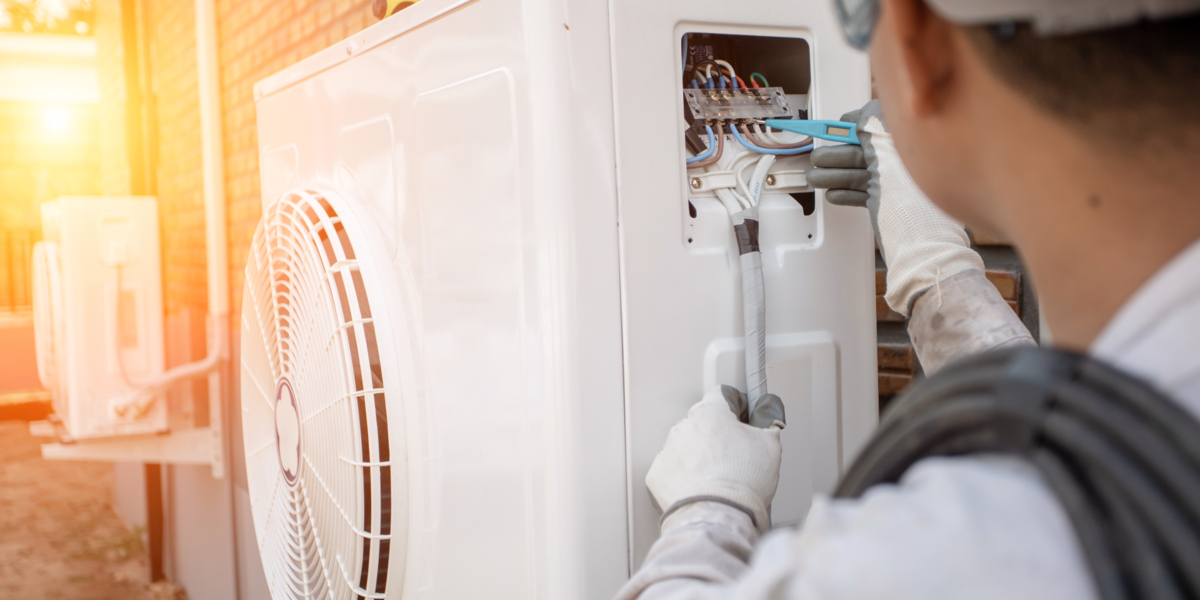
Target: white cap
column 1061, row 16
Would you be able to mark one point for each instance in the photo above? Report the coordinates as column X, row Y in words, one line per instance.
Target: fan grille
column 318, row 454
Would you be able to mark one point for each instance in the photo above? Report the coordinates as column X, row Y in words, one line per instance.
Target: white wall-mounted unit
column 98, row 314
column 485, row 286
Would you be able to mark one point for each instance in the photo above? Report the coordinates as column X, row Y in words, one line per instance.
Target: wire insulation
column 716, row 156
column 805, row 141
column 741, row 140
column 712, row 147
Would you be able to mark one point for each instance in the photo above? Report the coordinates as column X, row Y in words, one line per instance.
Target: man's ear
column 927, row 50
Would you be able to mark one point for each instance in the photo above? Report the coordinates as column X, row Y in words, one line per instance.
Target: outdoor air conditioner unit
column 485, row 285
column 98, row 314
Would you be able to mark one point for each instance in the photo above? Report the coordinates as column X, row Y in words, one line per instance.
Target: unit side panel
column 682, row 293
column 106, row 242
column 459, row 140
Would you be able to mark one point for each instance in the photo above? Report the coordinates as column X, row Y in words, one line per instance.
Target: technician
column 1071, row 129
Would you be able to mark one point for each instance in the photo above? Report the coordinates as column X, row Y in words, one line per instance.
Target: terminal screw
column 696, row 183
column 770, row 180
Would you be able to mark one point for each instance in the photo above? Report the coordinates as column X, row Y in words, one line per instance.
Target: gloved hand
column 920, row 244
column 711, row 456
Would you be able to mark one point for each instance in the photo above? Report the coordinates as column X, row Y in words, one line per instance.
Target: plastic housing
column 81, row 316
column 524, row 163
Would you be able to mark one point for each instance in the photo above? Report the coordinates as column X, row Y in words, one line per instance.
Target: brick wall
column 114, row 167
column 169, row 28
column 257, row 39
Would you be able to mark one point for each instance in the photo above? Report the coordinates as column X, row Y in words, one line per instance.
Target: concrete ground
column 59, row 537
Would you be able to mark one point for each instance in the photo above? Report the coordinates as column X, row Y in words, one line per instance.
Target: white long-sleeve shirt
column 966, row 527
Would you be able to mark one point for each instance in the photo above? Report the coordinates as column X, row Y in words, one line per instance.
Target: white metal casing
column 523, row 161
column 86, row 239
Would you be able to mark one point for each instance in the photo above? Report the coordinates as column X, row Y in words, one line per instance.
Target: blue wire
column 721, row 83
column 709, row 85
column 712, row 147
column 737, row 136
column 695, row 85
column 733, row 80
column 685, row 51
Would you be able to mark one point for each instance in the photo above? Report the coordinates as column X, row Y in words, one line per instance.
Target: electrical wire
column 758, row 178
column 712, row 147
column 774, row 145
column 730, row 200
column 732, row 74
column 721, row 63
column 716, row 156
column 766, row 131
column 703, row 68
column 759, row 76
column 1123, row 459
column 685, row 53
column 770, row 135
column 741, row 140
column 737, row 165
column 740, row 83
column 742, row 187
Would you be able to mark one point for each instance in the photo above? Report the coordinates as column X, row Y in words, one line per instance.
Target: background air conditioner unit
column 98, row 314
column 485, row 285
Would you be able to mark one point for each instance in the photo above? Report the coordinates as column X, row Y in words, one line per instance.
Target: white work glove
column 920, row 244
column 711, row 456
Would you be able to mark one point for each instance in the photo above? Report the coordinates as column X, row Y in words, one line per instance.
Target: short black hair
column 1137, row 84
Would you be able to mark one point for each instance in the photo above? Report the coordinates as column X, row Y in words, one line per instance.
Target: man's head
column 958, row 97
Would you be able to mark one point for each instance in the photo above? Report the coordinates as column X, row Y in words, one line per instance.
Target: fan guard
column 323, row 466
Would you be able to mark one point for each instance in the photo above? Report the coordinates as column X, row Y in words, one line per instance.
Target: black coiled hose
column 1123, row 459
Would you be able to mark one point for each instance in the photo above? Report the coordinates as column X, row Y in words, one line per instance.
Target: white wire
column 761, row 131
column 732, row 73
column 733, row 201
column 708, row 71
column 733, row 168
column 759, row 177
column 729, row 199
column 767, row 133
column 742, row 187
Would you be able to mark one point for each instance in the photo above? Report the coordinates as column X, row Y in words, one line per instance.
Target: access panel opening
column 731, row 87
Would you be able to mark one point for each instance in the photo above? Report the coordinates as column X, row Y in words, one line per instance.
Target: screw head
column 770, row 180
column 696, row 183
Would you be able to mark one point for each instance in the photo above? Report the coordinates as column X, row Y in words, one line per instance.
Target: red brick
column 897, row 357
column 891, row 384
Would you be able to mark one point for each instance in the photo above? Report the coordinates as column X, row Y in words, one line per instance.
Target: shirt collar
column 1173, row 286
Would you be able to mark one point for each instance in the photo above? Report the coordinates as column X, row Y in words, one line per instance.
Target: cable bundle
column 1123, row 459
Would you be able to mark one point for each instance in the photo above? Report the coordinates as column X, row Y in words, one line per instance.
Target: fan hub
column 287, row 430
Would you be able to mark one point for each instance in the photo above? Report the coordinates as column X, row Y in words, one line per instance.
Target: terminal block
column 712, row 106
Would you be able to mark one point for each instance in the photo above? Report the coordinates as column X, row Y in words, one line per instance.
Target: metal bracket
column 184, row 447
column 707, row 182
column 786, row 179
